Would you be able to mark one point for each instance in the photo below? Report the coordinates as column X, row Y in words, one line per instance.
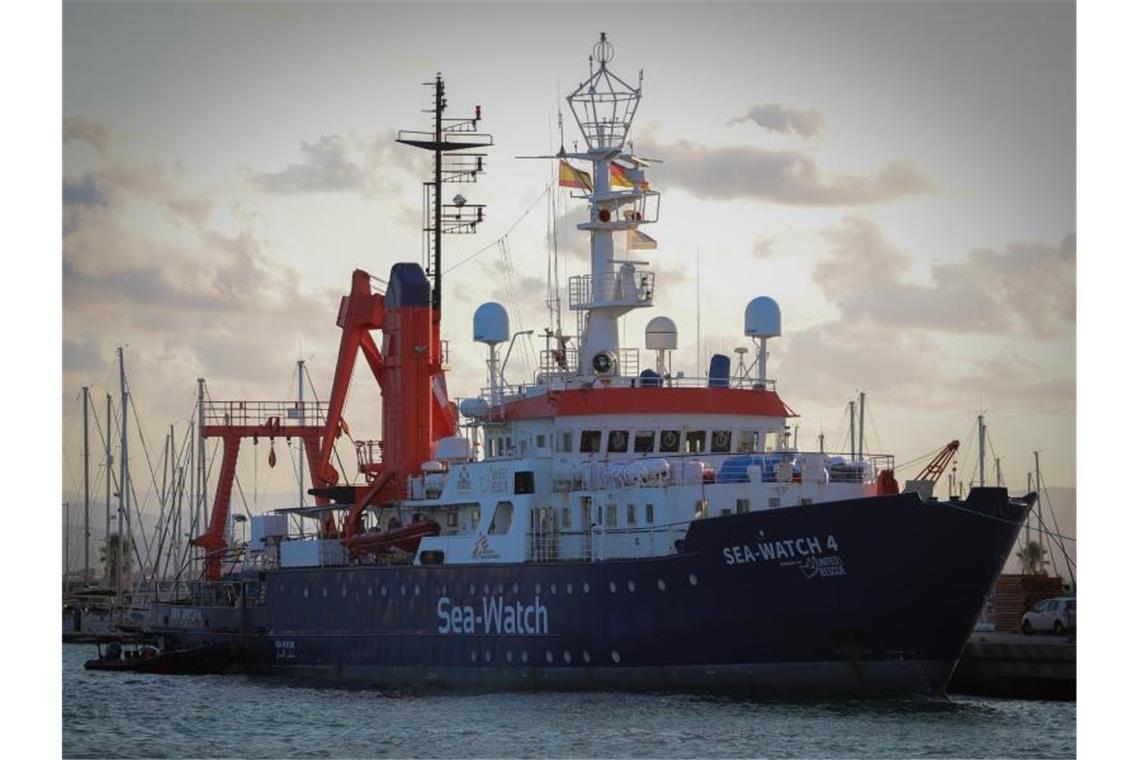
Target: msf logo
column 482, row 548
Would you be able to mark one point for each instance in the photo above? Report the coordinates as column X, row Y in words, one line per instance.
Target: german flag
column 568, row 176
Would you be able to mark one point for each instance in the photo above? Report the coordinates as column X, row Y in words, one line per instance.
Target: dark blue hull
column 873, row 596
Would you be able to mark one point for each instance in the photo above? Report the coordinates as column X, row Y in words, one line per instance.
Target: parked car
column 1058, row 615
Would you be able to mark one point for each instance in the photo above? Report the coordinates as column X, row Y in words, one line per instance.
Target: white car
column 1058, row 615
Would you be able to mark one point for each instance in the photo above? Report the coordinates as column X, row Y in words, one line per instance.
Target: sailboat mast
column 123, row 485
column 862, row 403
column 301, row 441
column 86, row 490
column 109, row 462
column 981, row 451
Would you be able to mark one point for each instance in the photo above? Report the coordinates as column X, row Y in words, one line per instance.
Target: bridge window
column 565, row 441
column 721, row 441
column 566, row 517
column 540, row 441
column 524, row 482
column 591, row 442
column 747, row 441
column 611, row 515
column 670, row 441
column 771, row 440
column 501, row 522
column 618, row 441
column 694, row 441
column 475, row 518
column 649, row 514
column 631, row 514
column 741, row 506
column 643, row 442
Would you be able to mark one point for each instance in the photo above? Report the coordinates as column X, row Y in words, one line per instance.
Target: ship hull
column 867, row 597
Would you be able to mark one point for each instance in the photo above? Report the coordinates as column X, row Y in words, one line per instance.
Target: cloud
column 346, row 164
column 784, row 120
column 79, row 129
column 764, row 247
column 780, row 176
column 1027, row 288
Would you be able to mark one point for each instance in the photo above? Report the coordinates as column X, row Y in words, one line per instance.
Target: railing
column 369, row 455
column 633, row 288
column 251, row 413
column 599, row 543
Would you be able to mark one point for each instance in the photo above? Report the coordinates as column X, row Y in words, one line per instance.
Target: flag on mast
column 619, row 177
column 568, row 176
column 637, row 240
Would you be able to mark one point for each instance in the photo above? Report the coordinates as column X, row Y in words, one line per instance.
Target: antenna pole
column 981, row 451
column 66, row 544
column 862, row 401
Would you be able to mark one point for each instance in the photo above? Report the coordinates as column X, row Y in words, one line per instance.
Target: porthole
column 416, row 589
column 538, row 588
column 383, row 591
column 325, row 592
column 500, row 589
column 631, row 586
column 585, row 588
column 615, row 656
column 661, row 584
column 613, row 587
column 305, row 593
column 343, row 591
column 403, row 590
column 569, row 588
column 487, row 656
column 515, row 589
column 524, row 656
column 549, row 656
column 443, row 590
column 692, row 579
column 486, row 589
column 471, row 589
column 369, row 592
column 510, row 656
column 553, row 590
column 566, row 657
column 586, row 657
column 474, row 656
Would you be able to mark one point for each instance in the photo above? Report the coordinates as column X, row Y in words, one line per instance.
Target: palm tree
column 1032, row 558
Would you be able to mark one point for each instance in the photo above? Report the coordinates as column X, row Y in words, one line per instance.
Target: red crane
column 416, row 410
column 933, row 471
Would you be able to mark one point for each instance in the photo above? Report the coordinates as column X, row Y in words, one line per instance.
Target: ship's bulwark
column 873, row 596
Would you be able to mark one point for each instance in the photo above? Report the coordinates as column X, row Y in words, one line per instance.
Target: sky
column 900, row 177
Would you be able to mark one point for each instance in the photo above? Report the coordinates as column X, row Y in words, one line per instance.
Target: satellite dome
column 491, row 325
column 660, row 334
column 762, row 318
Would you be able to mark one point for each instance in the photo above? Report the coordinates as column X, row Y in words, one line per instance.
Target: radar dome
column 491, row 325
column 661, row 334
column 762, row 318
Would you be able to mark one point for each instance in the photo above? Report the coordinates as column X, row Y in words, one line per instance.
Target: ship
column 601, row 525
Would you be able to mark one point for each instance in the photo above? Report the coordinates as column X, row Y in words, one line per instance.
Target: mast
column 1040, row 521
column 862, row 401
column 981, row 451
column 851, row 419
column 66, row 543
column 200, row 501
column 997, row 474
column 301, row 441
column 124, row 486
column 110, row 476
column 86, row 490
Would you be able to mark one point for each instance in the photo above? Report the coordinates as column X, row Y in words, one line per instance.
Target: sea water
column 135, row 715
